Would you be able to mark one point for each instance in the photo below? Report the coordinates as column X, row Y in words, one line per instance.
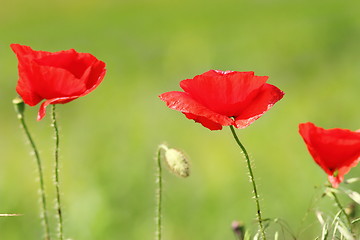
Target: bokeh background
column 310, row 50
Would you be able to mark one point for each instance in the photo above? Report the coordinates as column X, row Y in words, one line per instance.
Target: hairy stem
column 158, row 195
column 44, row 215
column 256, row 195
column 57, row 173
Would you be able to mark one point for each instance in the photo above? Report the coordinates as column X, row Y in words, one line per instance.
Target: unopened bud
column 19, row 106
column 177, row 162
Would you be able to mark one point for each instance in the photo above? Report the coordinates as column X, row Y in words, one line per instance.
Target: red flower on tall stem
column 216, row 98
column 58, row 77
column 335, row 150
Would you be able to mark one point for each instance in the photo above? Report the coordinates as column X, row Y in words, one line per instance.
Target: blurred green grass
column 310, row 50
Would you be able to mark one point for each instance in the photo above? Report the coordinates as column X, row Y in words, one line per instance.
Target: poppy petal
column 336, row 180
column 57, row 82
column 257, row 105
column 74, row 62
column 62, row 100
column 25, row 86
column 184, row 103
column 94, row 77
column 26, row 53
column 204, row 121
column 26, row 92
column 223, row 92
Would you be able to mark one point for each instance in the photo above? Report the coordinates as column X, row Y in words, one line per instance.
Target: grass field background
column 309, row 49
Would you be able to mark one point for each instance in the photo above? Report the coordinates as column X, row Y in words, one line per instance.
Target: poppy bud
column 19, row 106
column 177, row 162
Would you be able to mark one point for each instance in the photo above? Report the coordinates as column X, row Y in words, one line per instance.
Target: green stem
column 57, row 173
column 256, row 195
column 342, row 210
column 158, row 195
column 44, row 215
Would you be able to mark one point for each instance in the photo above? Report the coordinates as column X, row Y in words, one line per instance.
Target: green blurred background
column 310, row 50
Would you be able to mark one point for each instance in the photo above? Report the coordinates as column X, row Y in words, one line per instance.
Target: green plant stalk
column 44, row 215
column 158, row 195
column 342, row 210
column 57, row 173
column 256, row 195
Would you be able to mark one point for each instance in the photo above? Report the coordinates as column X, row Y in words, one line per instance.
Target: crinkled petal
column 24, row 53
column 62, row 100
column 256, row 106
column 98, row 70
column 94, row 77
column 306, row 131
column 184, row 103
column 72, row 61
column 25, row 87
column 57, row 82
column 204, row 121
column 223, row 92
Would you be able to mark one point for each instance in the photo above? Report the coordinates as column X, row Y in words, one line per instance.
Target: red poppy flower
column 336, row 150
column 58, row 77
column 217, row 98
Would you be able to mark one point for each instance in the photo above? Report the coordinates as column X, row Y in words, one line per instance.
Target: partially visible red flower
column 58, row 77
column 216, row 98
column 335, row 150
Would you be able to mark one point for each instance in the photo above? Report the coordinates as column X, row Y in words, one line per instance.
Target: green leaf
column 355, row 220
column 345, row 232
column 324, row 232
column 320, row 218
column 352, row 180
